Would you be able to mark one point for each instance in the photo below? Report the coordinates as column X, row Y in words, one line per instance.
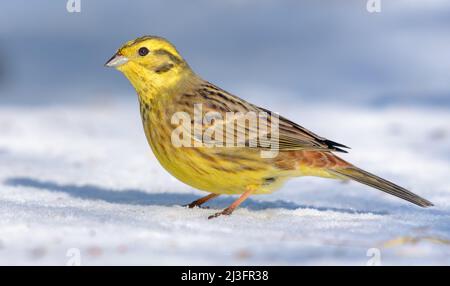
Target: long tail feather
column 371, row 180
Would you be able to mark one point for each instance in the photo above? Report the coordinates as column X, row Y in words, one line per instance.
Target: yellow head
column 150, row 63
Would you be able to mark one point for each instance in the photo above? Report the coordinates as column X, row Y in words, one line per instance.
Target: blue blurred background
column 76, row 171
column 334, row 51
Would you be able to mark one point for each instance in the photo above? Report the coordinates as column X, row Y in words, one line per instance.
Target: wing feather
column 291, row 135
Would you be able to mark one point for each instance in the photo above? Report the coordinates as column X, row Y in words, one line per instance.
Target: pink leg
column 229, row 210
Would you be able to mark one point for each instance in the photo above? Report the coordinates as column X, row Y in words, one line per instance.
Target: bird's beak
column 116, row 61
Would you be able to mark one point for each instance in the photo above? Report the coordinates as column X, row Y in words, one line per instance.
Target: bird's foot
column 201, row 201
column 227, row 211
column 193, row 205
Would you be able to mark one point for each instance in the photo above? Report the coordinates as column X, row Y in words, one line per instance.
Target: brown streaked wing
column 291, row 135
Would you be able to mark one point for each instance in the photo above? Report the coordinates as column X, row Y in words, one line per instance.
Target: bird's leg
column 201, row 201
column 229, row 210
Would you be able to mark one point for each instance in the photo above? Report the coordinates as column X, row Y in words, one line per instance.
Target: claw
column 227, row 211
column 201, row 201
column 192, row 205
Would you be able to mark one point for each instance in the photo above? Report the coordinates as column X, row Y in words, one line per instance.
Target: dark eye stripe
column 143, row 51
column 174, row 58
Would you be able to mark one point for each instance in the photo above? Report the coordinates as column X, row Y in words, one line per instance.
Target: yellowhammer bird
column 167, row 86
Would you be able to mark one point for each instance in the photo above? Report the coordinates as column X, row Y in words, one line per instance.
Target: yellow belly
column 201, row 168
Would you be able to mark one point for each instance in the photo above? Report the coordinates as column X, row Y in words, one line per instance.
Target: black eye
column 143, row 51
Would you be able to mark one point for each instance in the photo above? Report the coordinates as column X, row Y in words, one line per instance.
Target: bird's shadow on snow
column 142, row 198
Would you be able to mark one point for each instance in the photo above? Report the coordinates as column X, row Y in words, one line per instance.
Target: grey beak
column 116, row 61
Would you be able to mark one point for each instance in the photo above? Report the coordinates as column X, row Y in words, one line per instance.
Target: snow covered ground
column 80, row 179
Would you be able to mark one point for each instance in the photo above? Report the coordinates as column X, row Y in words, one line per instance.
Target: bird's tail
column 371, row 180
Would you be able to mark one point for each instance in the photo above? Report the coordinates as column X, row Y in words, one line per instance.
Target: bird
column 166, row 85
